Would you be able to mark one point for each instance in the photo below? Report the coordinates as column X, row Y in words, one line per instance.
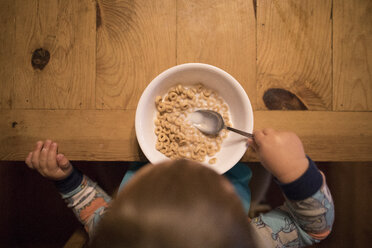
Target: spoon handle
column 249, row 135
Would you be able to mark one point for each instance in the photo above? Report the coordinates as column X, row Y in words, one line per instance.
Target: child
column 183, row 204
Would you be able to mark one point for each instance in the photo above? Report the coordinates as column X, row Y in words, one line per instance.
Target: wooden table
column 73, row 71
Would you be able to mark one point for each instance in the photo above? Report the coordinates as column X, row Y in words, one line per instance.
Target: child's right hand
column 45, row 160
column 281, row 153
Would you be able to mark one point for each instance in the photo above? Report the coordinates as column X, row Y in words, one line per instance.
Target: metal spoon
column 211, row 122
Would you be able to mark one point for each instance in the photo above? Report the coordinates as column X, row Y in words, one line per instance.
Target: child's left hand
column 45, row 160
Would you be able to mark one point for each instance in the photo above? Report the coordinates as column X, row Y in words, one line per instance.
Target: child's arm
column 87, row 200
column 308, row 213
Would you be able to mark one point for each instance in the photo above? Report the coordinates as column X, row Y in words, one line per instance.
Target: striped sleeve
column 306, row 217
column 87, row 200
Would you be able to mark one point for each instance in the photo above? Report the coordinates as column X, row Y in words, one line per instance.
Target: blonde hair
column 177, row 204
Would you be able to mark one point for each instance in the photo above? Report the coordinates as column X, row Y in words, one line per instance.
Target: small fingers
column 36, row 154
column 252, row 143
column 268, row 131
column 52, row 154
column 258, row 137
column 44, row 154
column 47, row 144
column 28, row 161
column 63, row 162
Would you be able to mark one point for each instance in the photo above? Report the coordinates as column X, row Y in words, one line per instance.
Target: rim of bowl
column 145, row 94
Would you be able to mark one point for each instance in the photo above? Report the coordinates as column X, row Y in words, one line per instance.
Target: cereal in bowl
column 176, row 137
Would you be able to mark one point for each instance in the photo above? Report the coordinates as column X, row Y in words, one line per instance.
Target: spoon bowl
column 211, row 122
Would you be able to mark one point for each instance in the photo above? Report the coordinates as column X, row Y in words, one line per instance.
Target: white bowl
column 240, row 108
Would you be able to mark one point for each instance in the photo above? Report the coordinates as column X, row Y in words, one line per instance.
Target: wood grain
column 352, row 54
column 7, row 40
column 82, row 134
column 136, row 40
column 326, row 135
column 109, row 135
column 66, row 29
column 220, row 33
column 294, row 50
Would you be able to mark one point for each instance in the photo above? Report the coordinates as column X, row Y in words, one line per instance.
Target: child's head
column 175, row 204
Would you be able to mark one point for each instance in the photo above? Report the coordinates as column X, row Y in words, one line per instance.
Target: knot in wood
column 281, row 99
column 40, row 58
